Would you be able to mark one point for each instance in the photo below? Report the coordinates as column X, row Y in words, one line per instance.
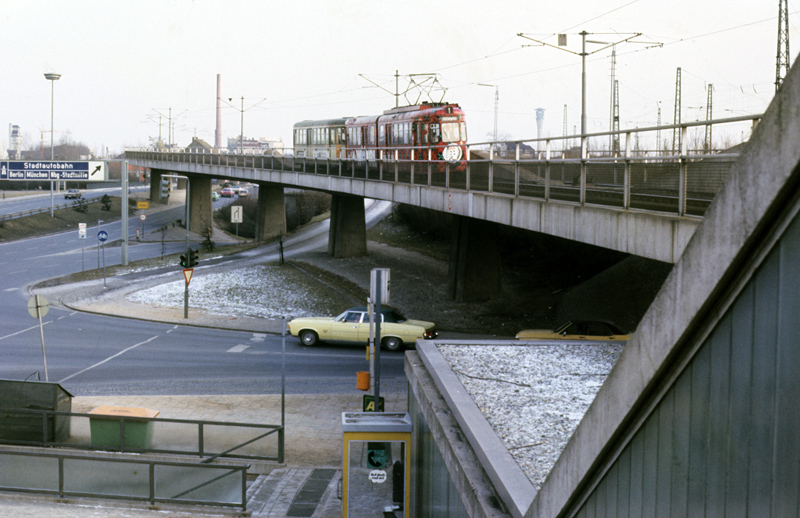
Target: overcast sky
column 125, row 62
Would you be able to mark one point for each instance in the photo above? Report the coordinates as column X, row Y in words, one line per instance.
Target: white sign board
column 377, row 476
column 236, row 214
column 82, row 230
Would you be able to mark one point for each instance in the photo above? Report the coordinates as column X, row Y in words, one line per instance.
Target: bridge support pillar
column 155, row 186
column 271, row 213
column 474, row 269
column 348, row 232
column 200, row 210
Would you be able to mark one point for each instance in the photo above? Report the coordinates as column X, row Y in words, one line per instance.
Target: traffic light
column 164, row 188
column 192, row 258
column 184, row 261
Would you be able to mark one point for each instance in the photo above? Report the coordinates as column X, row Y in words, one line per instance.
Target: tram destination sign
column 84, row 171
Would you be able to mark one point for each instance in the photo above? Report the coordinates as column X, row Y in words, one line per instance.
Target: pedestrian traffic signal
column 192, row 258
column 185, row 261
column 164, row 189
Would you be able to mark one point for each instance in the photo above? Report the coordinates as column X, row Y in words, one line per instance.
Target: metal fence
column 209, row 440
column 675, row 182
column 67, row 475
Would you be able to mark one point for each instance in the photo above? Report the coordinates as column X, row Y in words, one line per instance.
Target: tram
column 427, row 131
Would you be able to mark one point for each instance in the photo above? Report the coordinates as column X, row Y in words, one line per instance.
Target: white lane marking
column 258, row 337
column 11, row 289
column 238, row 348
column 109, row 358
column 23, row 331
column 173, row 329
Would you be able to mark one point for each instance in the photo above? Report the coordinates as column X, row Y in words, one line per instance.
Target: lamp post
column 52, row 78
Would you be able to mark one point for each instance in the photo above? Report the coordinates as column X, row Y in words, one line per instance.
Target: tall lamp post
column 52, row 78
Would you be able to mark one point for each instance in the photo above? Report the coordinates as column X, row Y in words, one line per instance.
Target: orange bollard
column 362, row 380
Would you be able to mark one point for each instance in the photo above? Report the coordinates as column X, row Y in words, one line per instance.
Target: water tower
column 539, row 123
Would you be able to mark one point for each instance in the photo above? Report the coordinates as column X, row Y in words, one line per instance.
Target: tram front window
column 451, row 132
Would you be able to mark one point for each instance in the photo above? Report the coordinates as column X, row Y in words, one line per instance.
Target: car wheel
column 309, row 338
column 392, row 343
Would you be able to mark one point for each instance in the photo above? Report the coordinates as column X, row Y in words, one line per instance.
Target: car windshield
column 451, row 132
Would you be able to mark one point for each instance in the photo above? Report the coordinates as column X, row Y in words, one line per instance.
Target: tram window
column 464, row 131
column 381, row 135
column 340, row 136
column 371, row 133
column 436, row 135
column 450, row 132
column 407, row 133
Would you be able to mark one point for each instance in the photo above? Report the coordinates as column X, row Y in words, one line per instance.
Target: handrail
column 66, row 475
column 48, row 416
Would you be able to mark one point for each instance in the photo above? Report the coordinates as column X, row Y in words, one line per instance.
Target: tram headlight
column 452, row 153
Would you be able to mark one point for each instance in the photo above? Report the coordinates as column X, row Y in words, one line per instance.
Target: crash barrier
column 154, row 481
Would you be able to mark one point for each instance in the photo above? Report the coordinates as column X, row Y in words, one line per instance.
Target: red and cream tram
column 427, row 131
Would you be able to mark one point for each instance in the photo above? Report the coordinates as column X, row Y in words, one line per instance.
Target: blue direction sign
column 102, row 235
column 85, row 171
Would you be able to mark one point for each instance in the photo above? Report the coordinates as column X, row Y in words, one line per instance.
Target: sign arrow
column 96, row 170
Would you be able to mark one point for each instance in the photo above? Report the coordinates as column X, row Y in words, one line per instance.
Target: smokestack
column 218, row 131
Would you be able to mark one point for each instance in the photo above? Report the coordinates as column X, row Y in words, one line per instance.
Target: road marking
column 238, row 348
column 24, row 330
column 109, row 358
column 11, row 289
column 258, row 337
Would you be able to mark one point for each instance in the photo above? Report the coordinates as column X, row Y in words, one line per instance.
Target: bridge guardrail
column 680, row 182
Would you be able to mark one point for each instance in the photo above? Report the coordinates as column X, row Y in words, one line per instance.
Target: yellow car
column 353, row 326
column 577, row 330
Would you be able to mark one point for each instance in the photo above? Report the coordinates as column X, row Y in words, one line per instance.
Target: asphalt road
column 95, row 354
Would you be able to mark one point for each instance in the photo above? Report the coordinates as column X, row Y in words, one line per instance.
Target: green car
column 397, row 331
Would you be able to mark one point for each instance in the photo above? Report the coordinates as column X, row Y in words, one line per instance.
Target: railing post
column 412, row 166
column 584, row 156
column 200, row 443
column 61, row 476
column 682, row 164
column 626, row 180
column 152, row 472
column 547, row 157
column 516, row 169
column 430, row 168
column 396, row 164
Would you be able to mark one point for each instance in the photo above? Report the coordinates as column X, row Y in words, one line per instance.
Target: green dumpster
column 105, row 427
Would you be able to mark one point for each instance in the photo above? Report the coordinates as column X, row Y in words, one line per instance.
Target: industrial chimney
column 218, row 131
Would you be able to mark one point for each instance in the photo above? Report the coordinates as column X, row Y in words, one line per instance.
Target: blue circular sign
column 102, row 235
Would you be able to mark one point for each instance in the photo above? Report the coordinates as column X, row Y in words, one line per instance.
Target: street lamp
column 52, row 78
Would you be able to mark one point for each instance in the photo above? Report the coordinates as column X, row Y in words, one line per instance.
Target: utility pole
column 658, row 130
column 614, row 105
column 564, row 143
column 676, row 119
column 496, row 103
column 782, row 65
column 615, row 120
column 562, row 42
column 707, row 143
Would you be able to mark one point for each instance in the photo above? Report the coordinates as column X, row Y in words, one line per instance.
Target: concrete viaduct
column 635, row 205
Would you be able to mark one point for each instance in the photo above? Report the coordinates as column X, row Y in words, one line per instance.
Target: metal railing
column 677, row 183
column 31, row 212
column 67, row 475
column 207, row 439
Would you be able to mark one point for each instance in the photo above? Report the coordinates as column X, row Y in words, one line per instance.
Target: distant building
column 14, row 142
column 250, row 146
column 199, row 145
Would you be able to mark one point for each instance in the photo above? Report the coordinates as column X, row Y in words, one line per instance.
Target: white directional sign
column 85, row 171
column 236, row 214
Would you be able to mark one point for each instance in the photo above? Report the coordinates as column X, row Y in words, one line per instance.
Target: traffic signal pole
column 188, row 257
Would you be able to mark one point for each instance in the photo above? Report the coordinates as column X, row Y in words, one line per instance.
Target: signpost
column 102, row 236
column 82, row 237
column 37, row 308
column 236, row 216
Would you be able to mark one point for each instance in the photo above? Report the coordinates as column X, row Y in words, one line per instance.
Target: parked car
column 214, row 196
column 227, row 192
column 577, row 330
column 72, row 194
column 244, row 193
column 397, row 331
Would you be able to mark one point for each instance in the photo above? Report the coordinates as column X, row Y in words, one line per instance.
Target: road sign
column 82, row 230
column 368, row 403
column 38, row 306
column 187, row 274
column 102, row 236
column 236, row 214
column 377, row 476
column 85, row 171
column 143, row 217
column 143, row 205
